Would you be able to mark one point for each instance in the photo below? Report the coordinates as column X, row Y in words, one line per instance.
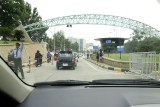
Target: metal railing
column 143, row 63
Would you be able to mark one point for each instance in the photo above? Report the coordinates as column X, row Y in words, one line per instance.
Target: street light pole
column 64, row 43
column 54, row 41
column 68, row 25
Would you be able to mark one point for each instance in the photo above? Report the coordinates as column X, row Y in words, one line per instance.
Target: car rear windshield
column 65, row 54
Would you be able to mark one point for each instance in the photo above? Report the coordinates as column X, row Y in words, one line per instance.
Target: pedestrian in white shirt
column 18, row 58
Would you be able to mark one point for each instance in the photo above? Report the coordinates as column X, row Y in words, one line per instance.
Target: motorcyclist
column 39, row 56
column 49, row 55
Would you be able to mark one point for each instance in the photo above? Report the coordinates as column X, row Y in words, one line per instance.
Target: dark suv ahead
column 66, row 59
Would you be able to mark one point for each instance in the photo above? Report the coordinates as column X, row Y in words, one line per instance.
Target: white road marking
column 92, row 66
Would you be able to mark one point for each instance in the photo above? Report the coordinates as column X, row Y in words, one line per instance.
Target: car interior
column 15, row 92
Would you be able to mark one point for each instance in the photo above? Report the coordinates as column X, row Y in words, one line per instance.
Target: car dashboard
column 92, row 96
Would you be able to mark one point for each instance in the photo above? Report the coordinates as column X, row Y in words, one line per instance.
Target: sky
column 146, row 11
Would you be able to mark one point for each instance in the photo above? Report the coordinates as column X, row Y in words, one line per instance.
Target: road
column 85, row 71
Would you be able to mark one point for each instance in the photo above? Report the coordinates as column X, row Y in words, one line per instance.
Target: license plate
column 65, row 64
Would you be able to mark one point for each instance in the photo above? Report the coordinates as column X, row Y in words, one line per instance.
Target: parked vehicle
column 66, row 59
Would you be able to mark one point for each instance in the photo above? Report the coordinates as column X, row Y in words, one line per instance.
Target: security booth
column 109, row 44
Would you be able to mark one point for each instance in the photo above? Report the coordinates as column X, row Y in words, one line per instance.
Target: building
column 73, row 40
column 82, row 45
column 110, row 44
column 81, row 42
column 89, row 45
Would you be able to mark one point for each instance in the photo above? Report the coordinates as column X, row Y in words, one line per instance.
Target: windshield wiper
column 147, row 82
column 62, row 83
column 125, row 82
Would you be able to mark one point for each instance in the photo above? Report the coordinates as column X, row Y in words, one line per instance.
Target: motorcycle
column 49, row 59
column 37, row 62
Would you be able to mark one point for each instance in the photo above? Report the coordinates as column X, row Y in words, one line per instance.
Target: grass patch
column 11, row 42
column 116, row 56
column 124, row 56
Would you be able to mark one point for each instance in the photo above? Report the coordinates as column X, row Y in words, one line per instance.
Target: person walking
column 18, row 58
column 87, row 54
column 97, row 56
column 100, row 55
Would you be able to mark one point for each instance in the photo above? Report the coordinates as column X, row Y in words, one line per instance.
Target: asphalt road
column 85, row 71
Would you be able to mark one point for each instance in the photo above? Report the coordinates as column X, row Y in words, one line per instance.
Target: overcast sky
column 146, row 11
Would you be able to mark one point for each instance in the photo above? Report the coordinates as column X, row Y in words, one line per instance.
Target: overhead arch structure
column 95, row 19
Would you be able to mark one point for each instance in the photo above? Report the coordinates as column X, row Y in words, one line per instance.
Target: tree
column 18, row 34
column 28, row 14
column 130, row 46
column 68, row 45
column 75, row 47
column 132, row 43
column 33, row 17
column 59, row 40
column 149, row 44
column 10, row 12
column 37, row 35
column 5, row 32
column 141, row 42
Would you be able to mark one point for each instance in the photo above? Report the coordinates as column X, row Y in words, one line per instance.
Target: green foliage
column 124, row 56
column 75, row 47
column 141, row 42
column 116, row 56
column 61, row 43
column 18, row 34
column 5, row 42
column 68, row 45
column 130, row 46
column 6, row 32
column 11, row 12
column 11, row 42
column 149, row 44
column 27, row 16
column 32, row 17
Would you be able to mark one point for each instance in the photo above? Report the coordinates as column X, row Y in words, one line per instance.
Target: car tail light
column 73, row 59
column 57, row 59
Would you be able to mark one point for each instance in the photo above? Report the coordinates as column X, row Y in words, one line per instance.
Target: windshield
column 65, row 55
column 86, row 40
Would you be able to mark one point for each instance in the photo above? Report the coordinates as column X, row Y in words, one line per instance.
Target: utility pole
column 54, row 41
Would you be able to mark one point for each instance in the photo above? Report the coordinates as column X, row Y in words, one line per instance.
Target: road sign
column 108, row 41
column 120, row 48
column 95, row 47
column 113, row 42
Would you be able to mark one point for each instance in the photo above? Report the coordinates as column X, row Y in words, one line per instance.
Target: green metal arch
column 97, row 19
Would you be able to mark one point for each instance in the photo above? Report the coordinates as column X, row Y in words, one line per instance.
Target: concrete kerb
column 109, row 68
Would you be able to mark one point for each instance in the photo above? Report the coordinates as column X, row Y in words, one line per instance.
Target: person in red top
column 55, row 56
